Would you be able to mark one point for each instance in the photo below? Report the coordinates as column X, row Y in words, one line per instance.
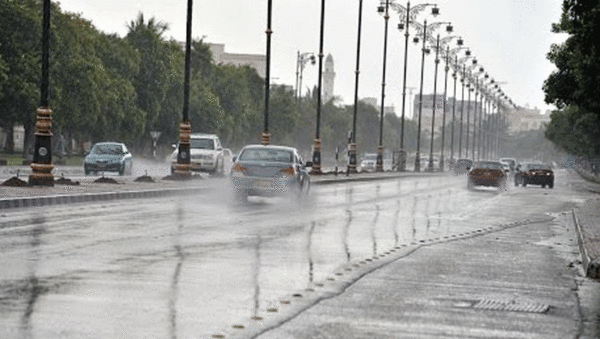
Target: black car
column 534, row 174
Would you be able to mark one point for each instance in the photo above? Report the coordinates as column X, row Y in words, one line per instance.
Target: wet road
column 192, row 267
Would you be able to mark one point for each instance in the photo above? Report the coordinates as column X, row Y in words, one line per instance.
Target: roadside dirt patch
column 105, row 180
column 15, row 182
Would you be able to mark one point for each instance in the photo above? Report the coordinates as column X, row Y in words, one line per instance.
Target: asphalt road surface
column 206, row 266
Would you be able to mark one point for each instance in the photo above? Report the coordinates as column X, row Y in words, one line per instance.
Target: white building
column 328, row 79
column 256, row 61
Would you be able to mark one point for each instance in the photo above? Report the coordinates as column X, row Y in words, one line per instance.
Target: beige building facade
column 256, row 61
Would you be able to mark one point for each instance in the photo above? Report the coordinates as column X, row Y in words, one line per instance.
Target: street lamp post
column 352, row 145
column 446, row 69
column 456, row 70
column 184, row 167
column 41, row 166
column 437, row 62
column 407, row 16
column 316, row 156
column 266, row 137
column 301, row 61
column 386, row 17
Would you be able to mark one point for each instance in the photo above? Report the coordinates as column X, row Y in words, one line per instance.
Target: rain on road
column 193, row 266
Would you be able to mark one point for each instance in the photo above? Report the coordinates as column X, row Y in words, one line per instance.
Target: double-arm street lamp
column 444, row 42
column 316, row 156
column 386, row 16
column 437, row 62
column 408, row 15
column 456, row 70
column 424, row 51
column 301, row 60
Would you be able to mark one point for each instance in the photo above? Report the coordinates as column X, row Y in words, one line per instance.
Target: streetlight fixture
column 425, row 50
column 316, row 156
column 352, row 145
column 386, row 17
column 469, row 89
column 41, row 167
column 265, row 138
column 183, row 169
column 447, row 55
column 407, row 16
column 456, row 70
column 475, row 130
column 301, row 60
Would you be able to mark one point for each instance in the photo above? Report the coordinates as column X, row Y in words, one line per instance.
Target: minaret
column 328, row 77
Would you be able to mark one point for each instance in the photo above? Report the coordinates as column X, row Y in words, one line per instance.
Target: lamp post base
column 352, row 158
column 417, row 162
column 379, row 167
column 41, row 167
column 41, row 175
column 316, row 158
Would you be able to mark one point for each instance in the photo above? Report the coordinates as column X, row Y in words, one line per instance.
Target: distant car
column 424, row 163
column 534, row 174
column 206, row 154
column 369, row 162
column 506, row 167
column 108, row 157
column 462, row 166
column 261, row 170
column 511, row 162
column 487, row 173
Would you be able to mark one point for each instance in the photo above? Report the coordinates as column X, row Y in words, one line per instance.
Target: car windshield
column 204, row 143
column 488, row 165
column 537, row 167
column 266, row 154
column 107, row 149
column 370, row 157
column 464, row 162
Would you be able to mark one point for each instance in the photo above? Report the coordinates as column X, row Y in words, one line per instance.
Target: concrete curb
column 51, row 200
column 591, row 268
column 94, row 197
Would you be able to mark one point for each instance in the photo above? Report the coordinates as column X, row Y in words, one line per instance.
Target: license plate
column 262, row 183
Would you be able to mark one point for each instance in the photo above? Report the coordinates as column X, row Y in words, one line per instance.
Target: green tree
column 20, row 24
column 575, row 82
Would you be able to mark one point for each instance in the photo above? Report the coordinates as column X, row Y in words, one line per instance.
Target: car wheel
column 122, row 170
column 543, row 185
column 516, row 181
column 221, row 168
column 551, row 185
column 87, row 172
column 241, row 196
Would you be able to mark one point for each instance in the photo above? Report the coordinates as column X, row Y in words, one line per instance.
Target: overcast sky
column 509, row 38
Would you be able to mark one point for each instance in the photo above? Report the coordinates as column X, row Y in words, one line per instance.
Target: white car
column 206, row 154
column 369, row 162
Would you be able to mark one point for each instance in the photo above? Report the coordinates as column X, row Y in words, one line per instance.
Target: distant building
column 526, row 119
column 427, row 110
column 373, row 102
column 18, row 138
column 256, row 61
column 328, row 79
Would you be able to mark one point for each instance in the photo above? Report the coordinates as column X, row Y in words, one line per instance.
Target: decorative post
column 183, row 169
column 265, row 138
column 352, row 145
column 42, row 157
column 316, row 156
column 380, row 148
